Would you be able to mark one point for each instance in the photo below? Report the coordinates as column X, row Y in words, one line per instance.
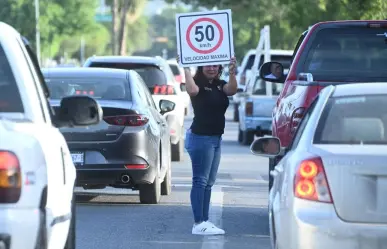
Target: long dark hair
column 200, row 76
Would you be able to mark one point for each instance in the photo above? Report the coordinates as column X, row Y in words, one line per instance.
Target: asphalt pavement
column 113, row 218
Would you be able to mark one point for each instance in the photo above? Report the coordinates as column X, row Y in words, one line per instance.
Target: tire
column 70, row 243
column 166, row 185
column 177, row 151
column 236, row 113
column 240, row 136
column 271, row 167
column 150, row 193
column 247, row 137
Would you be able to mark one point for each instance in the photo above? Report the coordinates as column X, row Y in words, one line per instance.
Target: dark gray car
column 130, row 148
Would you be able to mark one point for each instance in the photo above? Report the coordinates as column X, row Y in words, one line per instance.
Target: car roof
column 125, row 59
column 85, row 72
column 273, row 52
column 354, row 89
column 5, row 30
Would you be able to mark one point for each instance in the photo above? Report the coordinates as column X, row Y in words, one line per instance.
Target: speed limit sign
column 204, row 38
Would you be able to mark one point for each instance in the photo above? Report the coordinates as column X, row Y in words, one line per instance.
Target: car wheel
column 70, row 243
column 236, row 114
column 177, row 151
column 271, row 167
column 240, row 136
column 247, row 137
column 150, row 193
column 166, row 185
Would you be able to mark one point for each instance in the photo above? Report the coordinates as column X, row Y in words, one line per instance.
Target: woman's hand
column 232, row 66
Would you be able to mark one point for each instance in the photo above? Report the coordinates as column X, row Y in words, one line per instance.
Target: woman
column 203, row 140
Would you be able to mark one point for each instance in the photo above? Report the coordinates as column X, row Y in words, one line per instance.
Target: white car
column 158, row 77
column 329, row 189
column 37, row 175
column 179, row 75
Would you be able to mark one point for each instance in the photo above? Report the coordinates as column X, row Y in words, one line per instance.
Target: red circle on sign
column 204, row 19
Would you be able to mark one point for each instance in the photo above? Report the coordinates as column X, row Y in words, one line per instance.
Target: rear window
column 347, row 54
column 353, row 120
column 285, row 60
column 10, row 100
column 175, row 69
column 150, row 74
column 104, row 89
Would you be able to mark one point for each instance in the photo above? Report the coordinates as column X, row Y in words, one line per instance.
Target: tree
column 58, row 19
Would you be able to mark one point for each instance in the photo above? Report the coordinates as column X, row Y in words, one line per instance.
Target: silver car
column 330, row 188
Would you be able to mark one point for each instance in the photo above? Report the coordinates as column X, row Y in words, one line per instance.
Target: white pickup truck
column 37, row 175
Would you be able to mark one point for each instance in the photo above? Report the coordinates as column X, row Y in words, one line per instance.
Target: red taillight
column 310, row 181
column 136, row 166
column 164, row 90
column 249, row 108
column 10, row 177
column 243, row 79
column 127, row 120
column 296, row 119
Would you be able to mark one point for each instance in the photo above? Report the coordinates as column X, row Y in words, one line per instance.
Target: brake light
column 296, row 119
column 249, row 108
column 243, row 79
column 136, row 166
column 310, row 181
column 127, row 120
column 10, row 178
column 164, row 90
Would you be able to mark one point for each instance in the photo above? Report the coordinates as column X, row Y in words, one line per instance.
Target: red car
column 334, row 52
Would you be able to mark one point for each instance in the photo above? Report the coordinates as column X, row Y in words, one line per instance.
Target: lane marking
column 216, row 213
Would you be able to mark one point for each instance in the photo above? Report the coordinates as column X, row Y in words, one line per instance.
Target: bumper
column 319, row 228
column 110, row 174
column 260, row 125
column 19, row 228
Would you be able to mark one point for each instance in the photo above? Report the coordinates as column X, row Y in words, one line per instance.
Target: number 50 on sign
column 204, row 38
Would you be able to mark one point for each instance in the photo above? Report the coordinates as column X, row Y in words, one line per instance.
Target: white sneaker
column 206, row 228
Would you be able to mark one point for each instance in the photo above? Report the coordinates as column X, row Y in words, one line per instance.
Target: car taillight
column 127, row 120
column 164, row 90
column 296, row 119
column 249, row 108
column 10, row 177
column 310, row 181
column 243, row 79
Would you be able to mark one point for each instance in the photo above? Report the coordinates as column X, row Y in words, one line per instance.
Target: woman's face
column 211, row 71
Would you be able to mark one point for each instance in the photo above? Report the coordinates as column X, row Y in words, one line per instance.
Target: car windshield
column 175, row 69
column 260, row 87
column 150, row 74
column 98, row 88
column 10, row 100
column 353, row 120
column 347, row 54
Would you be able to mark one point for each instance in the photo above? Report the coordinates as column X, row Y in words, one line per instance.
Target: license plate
column 77, row 157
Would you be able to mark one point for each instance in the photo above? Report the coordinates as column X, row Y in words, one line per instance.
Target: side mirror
column 78, row 111
column 166, row 106
column 272, row 72
column 266, row 146
column 183, row 87
column 305, row 77
column 239, row 90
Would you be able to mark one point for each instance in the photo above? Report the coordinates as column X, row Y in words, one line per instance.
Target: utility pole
column 37, row 30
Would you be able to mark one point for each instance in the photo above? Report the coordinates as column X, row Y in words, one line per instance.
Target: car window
column 347, row 54
column 302, row 125
column 175, row 69
column 151, row 74
column 299, row 42
column 10, row 99
column 285, row 60
column 98, row 88
column 260, row 87
column 147, row 93
column 353, row 120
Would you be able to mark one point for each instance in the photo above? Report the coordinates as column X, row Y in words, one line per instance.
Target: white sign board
column 204, row 38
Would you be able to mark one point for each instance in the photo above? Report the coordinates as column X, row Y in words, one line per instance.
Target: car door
column 282, row 174
column 61, row 172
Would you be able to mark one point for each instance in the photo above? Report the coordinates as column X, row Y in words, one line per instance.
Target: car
column 159, row 79
column 179, row 74
column 37, row 175
column 328, row 52
column 329, row 187
column 130, row 147
column 245, row 70
column 255, row 109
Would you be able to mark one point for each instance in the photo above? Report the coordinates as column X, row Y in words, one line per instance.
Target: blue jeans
column 205, row 156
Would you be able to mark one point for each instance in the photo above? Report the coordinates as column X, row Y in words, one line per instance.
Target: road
column 115, row 219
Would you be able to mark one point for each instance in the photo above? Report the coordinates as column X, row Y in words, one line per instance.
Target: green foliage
column 138, row 37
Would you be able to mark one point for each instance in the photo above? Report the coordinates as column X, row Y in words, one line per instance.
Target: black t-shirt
column 209, row 105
